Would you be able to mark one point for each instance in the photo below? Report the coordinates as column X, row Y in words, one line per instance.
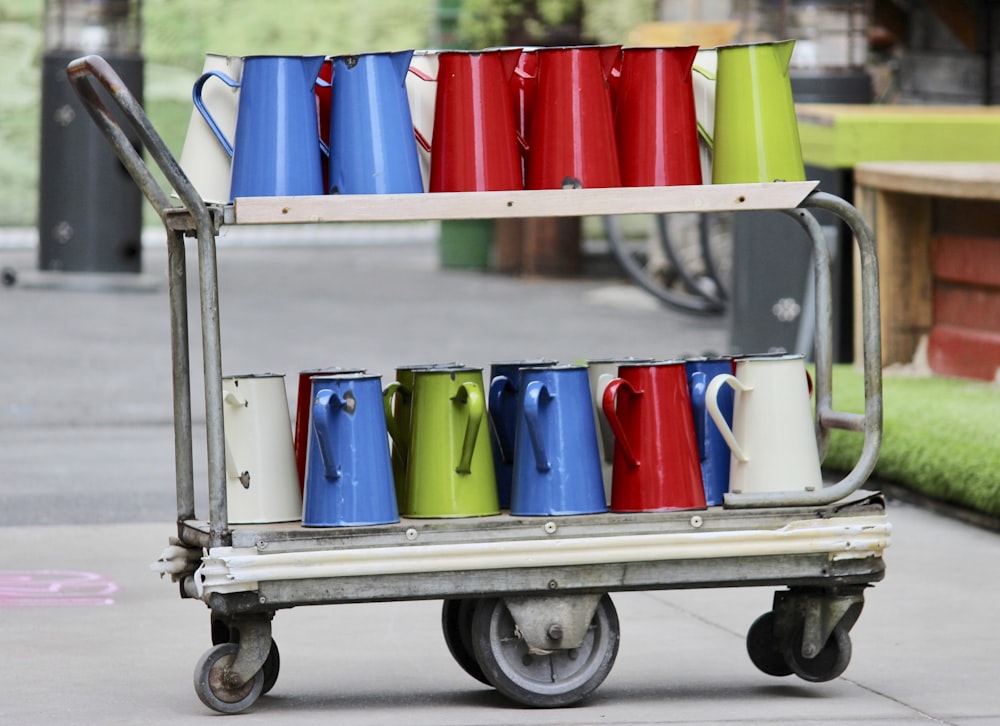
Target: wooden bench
column 937, row 231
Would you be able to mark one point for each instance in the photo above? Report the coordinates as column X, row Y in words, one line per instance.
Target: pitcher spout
column 401, row 63
column 783, row 52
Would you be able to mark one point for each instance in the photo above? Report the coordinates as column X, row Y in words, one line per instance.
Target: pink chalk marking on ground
column 54, row 588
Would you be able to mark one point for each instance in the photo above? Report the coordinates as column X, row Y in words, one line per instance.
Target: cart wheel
column 270, row 668
column 829, row 663
column 222, row 633
column 210, row 681
column 764, row 649
column 559, row 678
column 456, row 623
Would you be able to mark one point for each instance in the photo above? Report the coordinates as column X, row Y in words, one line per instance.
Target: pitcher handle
column 227, row 146
column 712, row 404
column 608, row 405
column 470, row 395
column 326, row 402
column 536, row 393
column 393, row 389
column 498, row 387
column 699, row 382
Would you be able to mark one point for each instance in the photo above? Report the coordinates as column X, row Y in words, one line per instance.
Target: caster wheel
column 764, row 649
column 8, row 277
column 270, row 668
column 222, row 633
column 456, row 623
column 551, row 680
column 210, row 681
column 829, row 663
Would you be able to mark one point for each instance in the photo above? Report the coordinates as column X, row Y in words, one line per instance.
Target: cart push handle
column 82, row 73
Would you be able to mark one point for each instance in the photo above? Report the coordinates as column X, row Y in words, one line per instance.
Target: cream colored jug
column 773, row 438
column 262, row 481
column 204, row 162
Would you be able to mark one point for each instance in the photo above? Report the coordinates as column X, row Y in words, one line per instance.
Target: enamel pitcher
column 449, row 470
column 712, row 449
column 773, row 437
column 475, row 145
column 303, row 410
column 756, row 135
column 277, row 149
column 261, row 478
column 655, row 122
column 557, row 467
column 397, row 403
column 656, row 457
column 204, row 161
column 571, row 142
column 348, row 473
column 600, row 372
column 421, row 91
column 505, row 387
column 372, row 146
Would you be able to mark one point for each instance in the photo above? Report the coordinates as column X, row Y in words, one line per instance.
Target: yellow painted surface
column 841, row 136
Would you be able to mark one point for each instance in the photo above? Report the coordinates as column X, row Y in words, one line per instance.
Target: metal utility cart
column 526, row 604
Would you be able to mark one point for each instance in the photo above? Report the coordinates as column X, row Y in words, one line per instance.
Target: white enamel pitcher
column 421, row 90
column 262, row 481
column 773, row 439
column 204, row 162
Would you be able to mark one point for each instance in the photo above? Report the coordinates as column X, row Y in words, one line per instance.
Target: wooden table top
column 968, row 180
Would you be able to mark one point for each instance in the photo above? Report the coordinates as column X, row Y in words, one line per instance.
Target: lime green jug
column 449, row 470
column 397, row 398
column 756, row 135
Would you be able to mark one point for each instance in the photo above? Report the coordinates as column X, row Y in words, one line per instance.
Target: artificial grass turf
column 941, row 436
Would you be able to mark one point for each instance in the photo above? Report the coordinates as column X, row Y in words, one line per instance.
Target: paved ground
column 90, row 635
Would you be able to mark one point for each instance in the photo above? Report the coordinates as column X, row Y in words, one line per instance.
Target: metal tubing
column 823, row 329
column 180, row 357
column 80, row 73
column 826, row 418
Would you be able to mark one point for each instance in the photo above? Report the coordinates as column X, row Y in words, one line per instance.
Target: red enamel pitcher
column 475, row 145
column 656, row 465
column 571, row 141
column 655, row 123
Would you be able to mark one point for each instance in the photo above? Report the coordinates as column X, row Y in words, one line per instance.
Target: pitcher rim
column 253, row 375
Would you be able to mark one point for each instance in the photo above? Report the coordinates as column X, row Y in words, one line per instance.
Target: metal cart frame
column 544, row 579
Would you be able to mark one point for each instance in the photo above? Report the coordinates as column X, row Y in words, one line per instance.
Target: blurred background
column 914, row 51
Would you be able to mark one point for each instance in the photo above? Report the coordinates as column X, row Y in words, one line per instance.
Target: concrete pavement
column 91, row 635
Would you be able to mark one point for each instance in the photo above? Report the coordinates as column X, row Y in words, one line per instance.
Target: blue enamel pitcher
column 373, row 149
column 713, row 452
column 277, row 149
column 505, row 385
column 557, row 466
column 348, row 470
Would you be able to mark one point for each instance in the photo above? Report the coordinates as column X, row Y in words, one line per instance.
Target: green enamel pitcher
column 397, row 399
column 449, row 468
column 756, row 135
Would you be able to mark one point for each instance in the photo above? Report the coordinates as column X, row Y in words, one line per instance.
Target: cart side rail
column 870, row 422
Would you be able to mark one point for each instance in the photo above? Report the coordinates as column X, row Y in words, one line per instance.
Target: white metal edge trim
column 228, row 569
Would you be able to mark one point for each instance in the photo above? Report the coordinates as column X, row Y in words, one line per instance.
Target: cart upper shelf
column 520, row 203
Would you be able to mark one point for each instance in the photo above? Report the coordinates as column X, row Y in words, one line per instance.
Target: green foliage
column 940, row 436
column 485, row 23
